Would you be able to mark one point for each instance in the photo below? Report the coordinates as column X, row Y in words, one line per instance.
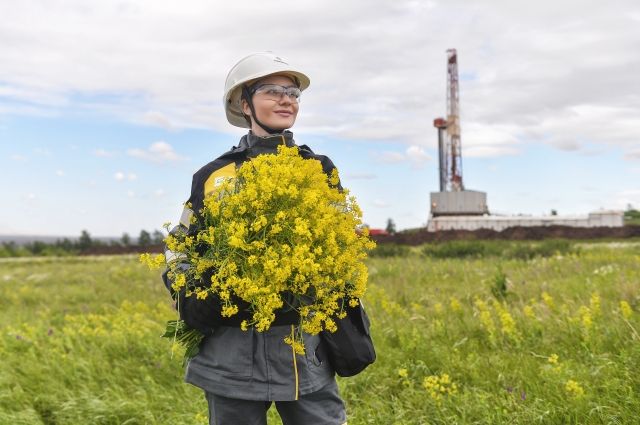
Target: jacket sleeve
column 202, row 315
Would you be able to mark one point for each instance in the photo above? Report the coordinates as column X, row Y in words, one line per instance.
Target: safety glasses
column 275, row 92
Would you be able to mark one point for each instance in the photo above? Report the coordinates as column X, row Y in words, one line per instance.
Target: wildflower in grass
column 201, row 418
column 439, row 386
column 586, row 318
column 438, row 307
column 437, row 326
column 548, row 300
column 605, row 270
column 416, row 307
column 625, row 310
column 392, row 308
column 485, row 317
column 507, row 324
column 528, row 312
column 404, row 377
column 594, row 304
column 455, row 305
column 554, row 363
column 573, row 389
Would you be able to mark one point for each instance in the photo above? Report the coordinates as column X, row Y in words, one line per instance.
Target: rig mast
column 453, row 152
column 453, row 199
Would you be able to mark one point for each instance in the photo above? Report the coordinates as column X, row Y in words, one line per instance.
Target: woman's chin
column 281, row 123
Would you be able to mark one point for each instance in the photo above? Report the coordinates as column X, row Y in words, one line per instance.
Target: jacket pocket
column 229, row 351
column 314, row 350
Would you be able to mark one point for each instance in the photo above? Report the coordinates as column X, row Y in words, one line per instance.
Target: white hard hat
column 246, row 71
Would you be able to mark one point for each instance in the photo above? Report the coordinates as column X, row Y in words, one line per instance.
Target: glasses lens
column 275, row 92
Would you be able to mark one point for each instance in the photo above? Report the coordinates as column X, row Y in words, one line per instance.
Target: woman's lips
column 284, row 113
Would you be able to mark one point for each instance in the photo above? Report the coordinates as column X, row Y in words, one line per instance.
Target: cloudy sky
column 107, row 108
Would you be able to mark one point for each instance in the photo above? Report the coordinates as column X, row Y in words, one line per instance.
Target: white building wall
column 498, row 223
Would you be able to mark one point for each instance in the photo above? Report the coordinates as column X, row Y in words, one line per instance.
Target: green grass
column 79, row 340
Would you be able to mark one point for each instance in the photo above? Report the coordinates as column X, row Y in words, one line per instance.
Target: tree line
column 84, row 243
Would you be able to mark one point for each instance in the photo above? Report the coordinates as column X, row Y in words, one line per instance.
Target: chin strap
column 247, row 96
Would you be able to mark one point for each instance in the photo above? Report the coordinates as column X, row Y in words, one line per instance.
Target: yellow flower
column 548, row 300
column 585, row 316
column 439, row 386
column 625, row 310
column 403, row 373
column 553, row 359
column 201, row 294
column 229, row 310
column 455, row 304
column 179, row 281
column 527, row 310
column 594, row 304
column 573, row 389
column 154, row 262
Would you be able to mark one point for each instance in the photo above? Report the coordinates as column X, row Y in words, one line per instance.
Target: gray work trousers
column 322, row 407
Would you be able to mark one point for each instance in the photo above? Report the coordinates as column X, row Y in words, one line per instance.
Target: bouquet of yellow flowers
column 280, row 234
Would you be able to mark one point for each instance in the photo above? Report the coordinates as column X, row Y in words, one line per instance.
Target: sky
column 108, row 108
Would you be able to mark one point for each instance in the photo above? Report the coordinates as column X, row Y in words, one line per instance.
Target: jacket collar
column 256, row 145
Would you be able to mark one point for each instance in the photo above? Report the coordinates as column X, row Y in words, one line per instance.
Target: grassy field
column 479, row 340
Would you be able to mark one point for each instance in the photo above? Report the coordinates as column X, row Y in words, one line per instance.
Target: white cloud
column 18, row 157
column 390, row 157
column 42, row 152
column 120, row 176
column 548, row 75
column 159, row 193
column 417, row 156
column 360, row 176
column 157, row 152
column 633, row 154
column 380, row 203
column 59, row 173
column 627, row 197
column 103, row 153
column 158, row 119
column 131, row 194
column 414, row 155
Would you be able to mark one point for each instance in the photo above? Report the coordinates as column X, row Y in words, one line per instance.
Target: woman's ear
column 246, row 110
column 245, row 107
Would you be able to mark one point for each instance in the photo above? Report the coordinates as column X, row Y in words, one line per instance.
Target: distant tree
column 64, row 244
column 125, row 239
column 158, row 237
column 554, row 212
column 85, row 240
column 144, row 239
column 36, row 247
column 391, row 226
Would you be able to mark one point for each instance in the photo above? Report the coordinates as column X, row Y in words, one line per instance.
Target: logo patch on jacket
column 218, row 177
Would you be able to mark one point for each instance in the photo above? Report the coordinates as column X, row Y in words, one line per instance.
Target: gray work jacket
column 253, row 365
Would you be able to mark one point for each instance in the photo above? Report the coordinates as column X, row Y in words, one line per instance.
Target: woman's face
column 270, row 111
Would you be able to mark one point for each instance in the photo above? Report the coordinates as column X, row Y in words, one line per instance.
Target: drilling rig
column 453, row 199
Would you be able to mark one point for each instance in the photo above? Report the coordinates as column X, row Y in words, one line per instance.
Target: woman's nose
column 285, row 99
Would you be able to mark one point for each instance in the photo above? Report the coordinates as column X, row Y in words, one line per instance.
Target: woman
column 243, row 372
